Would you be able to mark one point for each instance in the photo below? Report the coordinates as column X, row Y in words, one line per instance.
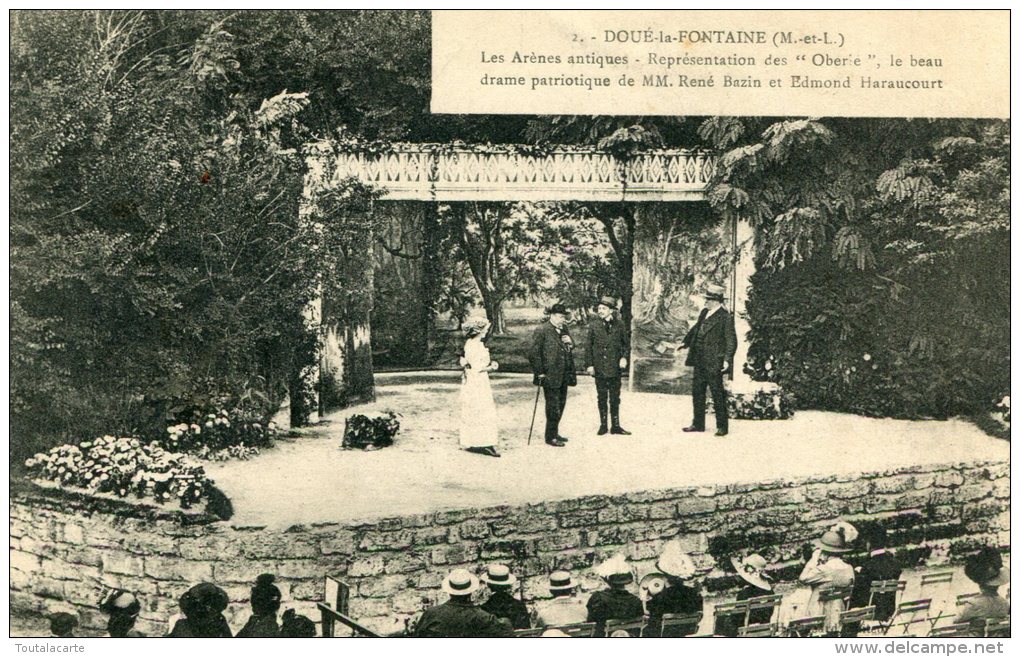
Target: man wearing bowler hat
column 606, row 360
column 712, row 343
column 552, row 361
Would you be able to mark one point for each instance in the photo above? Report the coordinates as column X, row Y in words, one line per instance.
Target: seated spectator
column 295, row 626
column 564, row 608
column 458, row 616
column 616, row 602
column 62, row 625
column 679, row 596
column 879, row 565
column 203, row 606
column 501, row 602
column 752, row 570
column 826, row 571
column 265, row 602
column 122, row 607
column 986, row 570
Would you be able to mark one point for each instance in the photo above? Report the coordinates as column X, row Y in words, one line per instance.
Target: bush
column 367, row 432
column 123, row 466
column 773, row 404
column 222, row 434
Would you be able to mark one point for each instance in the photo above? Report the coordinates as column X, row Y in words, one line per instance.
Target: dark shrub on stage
column 370, row 432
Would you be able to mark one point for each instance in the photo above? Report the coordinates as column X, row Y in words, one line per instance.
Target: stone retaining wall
column 65, row 550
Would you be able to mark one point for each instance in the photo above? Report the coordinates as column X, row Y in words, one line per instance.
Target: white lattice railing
column 423, row 172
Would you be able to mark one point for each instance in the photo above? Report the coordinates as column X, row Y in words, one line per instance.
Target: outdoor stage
column 311, row 480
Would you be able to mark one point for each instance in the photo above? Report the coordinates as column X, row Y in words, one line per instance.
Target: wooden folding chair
column 913, row 608
column 529, row 632
column 885, row 587
column 634, row 627
column 762, row 603
column 685, row 624
column 997, row 627
column 931, row 579
column 733, row 614
column 964, row 598
column 857, row 616
column 937, row 587
column 576, row 629
column 805, row 627
column 757, row 630
column 952, row 631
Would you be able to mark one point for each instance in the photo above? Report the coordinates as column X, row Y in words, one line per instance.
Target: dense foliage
column 370, row 432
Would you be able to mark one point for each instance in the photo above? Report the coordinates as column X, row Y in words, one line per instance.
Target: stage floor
column 309, row 479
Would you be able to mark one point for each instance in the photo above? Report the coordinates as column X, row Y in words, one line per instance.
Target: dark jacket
column 456, row 619
column 711, row 341
column 211, row 628
column 607, row 344
column 875, row 568
column 503, row 605
column 613, row 604
column 261, row 627
column 676, row 598
column 551, row 357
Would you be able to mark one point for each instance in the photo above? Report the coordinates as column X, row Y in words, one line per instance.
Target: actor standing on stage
column 712, row 343
column 552, row 361
column 606, row 360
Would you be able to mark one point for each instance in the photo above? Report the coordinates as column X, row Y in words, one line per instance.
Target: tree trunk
column 494, row 312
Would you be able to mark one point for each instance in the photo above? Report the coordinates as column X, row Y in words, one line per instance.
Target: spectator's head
column 498, row 577
column 561, row 584
column 751, row 569
column 122, row 607
column 838, row 539
column 615, row 571
column 295, row 626
column 62, row 624
column 877, row 538
column 203, row 606
column 675, row 563
column 986, row 570
column 558, row 314
column 265, row 597
column 460, row 584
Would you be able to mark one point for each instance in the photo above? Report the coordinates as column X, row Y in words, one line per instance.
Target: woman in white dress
column 479, row 431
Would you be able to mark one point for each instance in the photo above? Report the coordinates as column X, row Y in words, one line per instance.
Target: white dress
column 478, row 426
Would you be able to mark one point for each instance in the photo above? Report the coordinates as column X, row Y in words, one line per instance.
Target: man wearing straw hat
column 501, row 603
column 564, row 608
column 459, row 617
column 606, row 360
column 712, row 343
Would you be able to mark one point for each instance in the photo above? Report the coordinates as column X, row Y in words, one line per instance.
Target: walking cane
column 534, row 412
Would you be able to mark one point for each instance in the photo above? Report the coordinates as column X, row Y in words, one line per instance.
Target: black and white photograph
column 303, row 345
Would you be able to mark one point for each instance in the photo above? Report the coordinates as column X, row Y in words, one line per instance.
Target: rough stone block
column 412, row 602
column 524, row 523
column 121, row 563
column 366, row 566
column 24, row 561
column 562, row 540
column 579, row 519
column 299, row 569
column 453, row 554
column 622, row 513
column 374, row 541
column 473, row 529
column 428, row 536
column 169, row 568
column 662, row 511
column 404, row 563
column 972, row 492
column 948, row 478
column 19, row 580
column 341, row 542
column 382, row 586
column 73, row 534
column 695, row 505
column 241, row 571
column 48, row 587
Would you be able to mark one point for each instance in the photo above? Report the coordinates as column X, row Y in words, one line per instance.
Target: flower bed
column 123, row 466
column 370, row 431
column 221, row 435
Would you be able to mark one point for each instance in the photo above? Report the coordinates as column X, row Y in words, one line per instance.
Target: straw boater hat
column 498, row 575
column 460, row 582
column 985, row 568
column 838, row 538
column 675, row 562
column 752, row 570
column 560, row 580
column 615, row 571
column 715, row 293
column 608, row 302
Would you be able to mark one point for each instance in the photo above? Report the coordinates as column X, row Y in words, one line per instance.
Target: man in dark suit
column 552, row 361
column 880, row 565
column 459, row 617
column 712, row 343
column 605, row 360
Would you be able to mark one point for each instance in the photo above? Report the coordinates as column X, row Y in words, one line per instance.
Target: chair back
column 949, row 631
column 964, row 598
column 914, row 606
column 686, row 624
column 858, row 615
column 828, row 595
column 757, row 630
column 928, row 579
column 529, row 632
column 997, row 627
column 634, row 627
column 761, row 603
column 576, row 629
column 804, row 627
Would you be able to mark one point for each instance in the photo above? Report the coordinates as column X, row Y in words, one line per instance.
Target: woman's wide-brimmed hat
column 838, row 539
column 557, row 309
column 560, row 580
column 752, row 570
column 121, row 603
column 498, row 575
column 985, row 568
column 475, row 325
column 715, row 293
column 608, row 302
column 675, row 562
column 615, row 571
column 460, row 582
